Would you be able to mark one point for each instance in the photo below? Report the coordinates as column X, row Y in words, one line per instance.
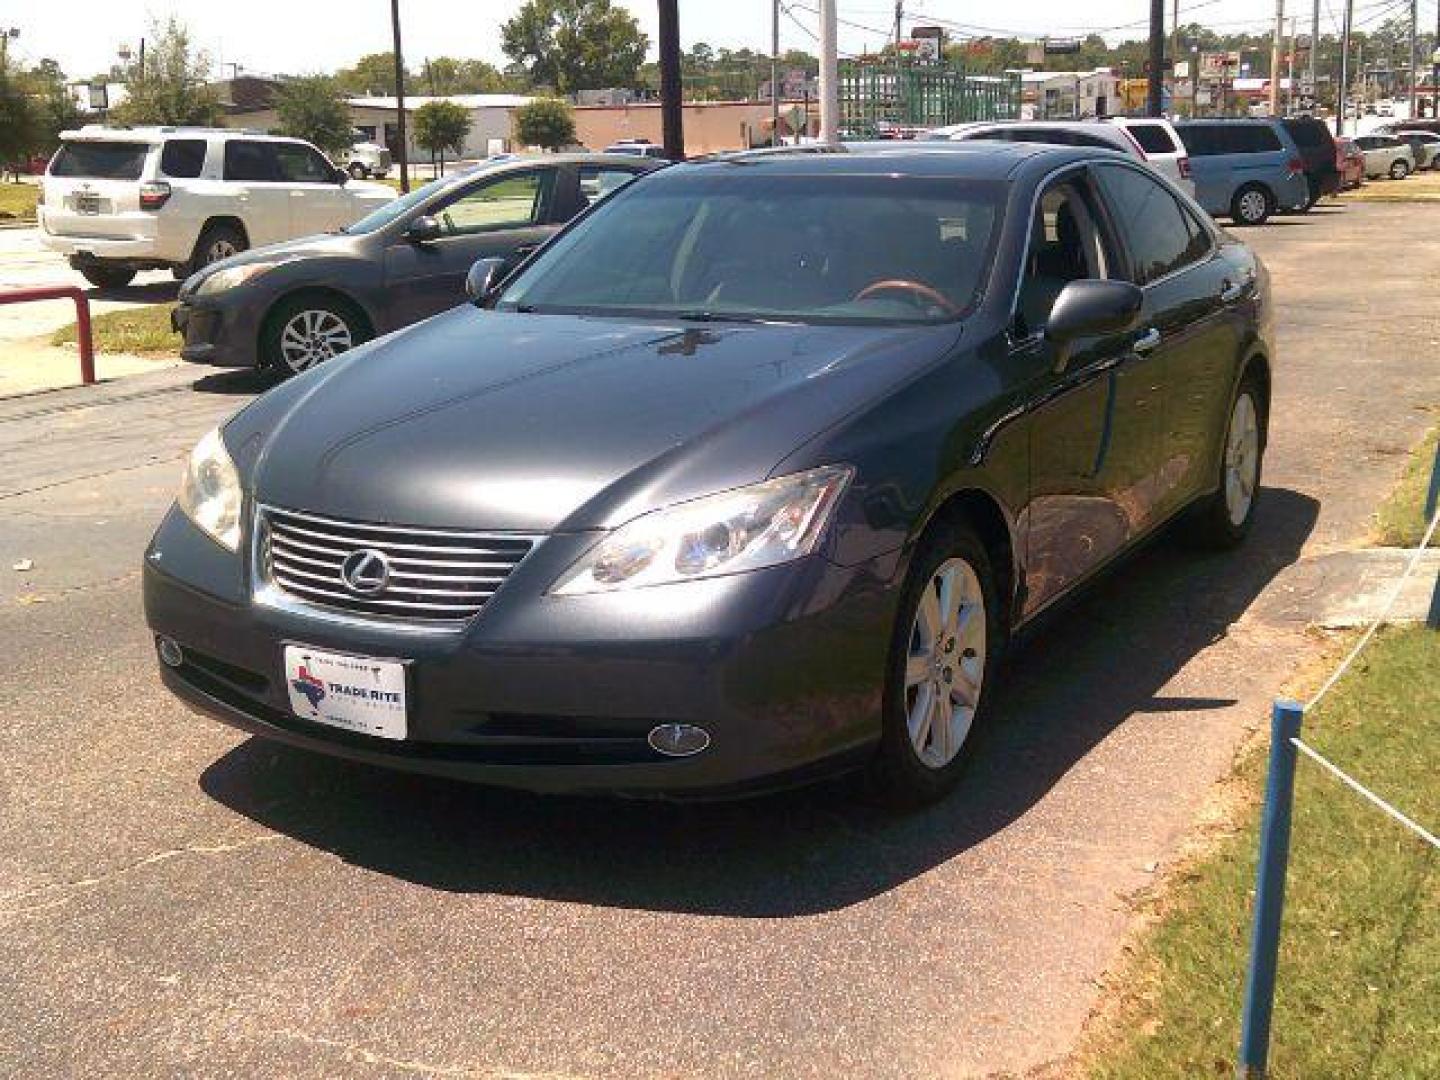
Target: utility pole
column 672, row 116
column 1435, row 71
column 1290, row 94
column 1155, row 82
column 1175, row 59
column 404, row 142
column 1342, row 95
column 1414, row 59
column 1314, row 50
column 899, row 14
column 1275, row 57
column 775, row 72
column 830, row 72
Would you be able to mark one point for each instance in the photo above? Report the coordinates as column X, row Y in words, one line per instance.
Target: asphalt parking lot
column 176, row 898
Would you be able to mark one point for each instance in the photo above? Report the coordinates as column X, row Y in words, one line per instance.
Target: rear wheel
column 107, row 277
column 942, row 658
column 1252, row 205
column 1223, row 519
column 216, row 242
column 305, row 331
column 1399, row 169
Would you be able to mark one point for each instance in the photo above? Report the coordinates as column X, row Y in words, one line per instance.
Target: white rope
column 1379, row 619
column 1355, row 785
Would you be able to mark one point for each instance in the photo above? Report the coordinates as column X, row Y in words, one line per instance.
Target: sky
column 304, row 36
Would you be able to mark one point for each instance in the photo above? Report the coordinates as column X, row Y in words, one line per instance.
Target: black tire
column 896, row 774
column 357, row 170
column 1214, row 525
column 1399, row 169
column 216, row 242
column 1252, row 205
column 107, row 277
column 278, row 354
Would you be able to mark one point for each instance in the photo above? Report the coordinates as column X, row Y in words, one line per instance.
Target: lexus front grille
column 389, row 571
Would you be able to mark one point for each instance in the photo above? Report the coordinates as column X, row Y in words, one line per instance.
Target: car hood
column 543, row 423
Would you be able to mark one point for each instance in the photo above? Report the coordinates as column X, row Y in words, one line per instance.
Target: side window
column 507, row 202
column 250, row 161
column 1162, row 237
column 1065, row 245
column 301, row 165
column 183, row 158
column 1153, row 138
column 597, row 181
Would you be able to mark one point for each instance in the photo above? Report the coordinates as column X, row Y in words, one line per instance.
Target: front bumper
column 783, row 668
column 222, row 335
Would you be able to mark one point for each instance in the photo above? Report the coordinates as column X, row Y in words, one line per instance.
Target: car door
column 1192, row 297
column 318, row 202
column 1094, row 414
column 505, row 216
column 252, row 174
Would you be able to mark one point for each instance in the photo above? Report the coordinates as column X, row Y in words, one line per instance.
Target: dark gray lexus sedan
column 750, row 474
column 290, row 306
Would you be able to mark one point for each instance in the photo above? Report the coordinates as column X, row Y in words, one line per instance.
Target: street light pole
column 775, row 72
column 1343, row 93
column 404, row 142
column 830, row 72
column 1275, row 57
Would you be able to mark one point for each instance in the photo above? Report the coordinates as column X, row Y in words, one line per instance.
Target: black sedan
column 290, row 306
column 751, row 473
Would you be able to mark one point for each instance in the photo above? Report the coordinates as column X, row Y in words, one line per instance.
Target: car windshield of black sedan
column 736, row 243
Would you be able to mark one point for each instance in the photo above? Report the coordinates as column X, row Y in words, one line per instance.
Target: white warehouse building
column 490, row 129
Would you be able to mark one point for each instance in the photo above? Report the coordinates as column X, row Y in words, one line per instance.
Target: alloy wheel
column 945, row 664
column 313, row 336
column 220, row 248
column 1252, row 207
column 1242, row 459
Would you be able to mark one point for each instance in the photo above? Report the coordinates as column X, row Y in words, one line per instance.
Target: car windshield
column 392, row 211
column 100, row 160
column 730, row 241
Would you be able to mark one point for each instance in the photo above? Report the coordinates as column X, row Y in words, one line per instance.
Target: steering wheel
column 936, row 297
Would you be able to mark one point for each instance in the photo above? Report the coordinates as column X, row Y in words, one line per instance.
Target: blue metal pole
column 1269, row 890
column 1431, row 501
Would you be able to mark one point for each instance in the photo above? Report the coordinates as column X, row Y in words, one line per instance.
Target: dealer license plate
column 87, row 204
column 357, row 693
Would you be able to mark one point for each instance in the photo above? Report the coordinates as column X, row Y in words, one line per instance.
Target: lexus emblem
column 365, row 572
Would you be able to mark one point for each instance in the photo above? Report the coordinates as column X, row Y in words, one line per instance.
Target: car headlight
column 210, row 492
column 761, row 525
column 232, row 276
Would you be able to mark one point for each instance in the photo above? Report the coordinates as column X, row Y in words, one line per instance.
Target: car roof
column 978, row 160
column 156, row 133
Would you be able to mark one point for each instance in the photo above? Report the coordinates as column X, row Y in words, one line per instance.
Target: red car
column 1350, row 160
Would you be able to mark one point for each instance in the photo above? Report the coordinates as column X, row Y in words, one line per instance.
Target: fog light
column 171, row 655
column 679, row 740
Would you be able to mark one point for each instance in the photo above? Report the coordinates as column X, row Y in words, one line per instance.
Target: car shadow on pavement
column 1067, row 686
column 236, row 381
column 151, row 292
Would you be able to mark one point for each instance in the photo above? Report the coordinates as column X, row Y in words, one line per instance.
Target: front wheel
column 305, row 331
column 942, row 658
column 1252, row 205
column 1399, row 170
column 1223, row 519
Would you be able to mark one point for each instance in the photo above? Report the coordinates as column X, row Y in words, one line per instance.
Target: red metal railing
column 82, row 318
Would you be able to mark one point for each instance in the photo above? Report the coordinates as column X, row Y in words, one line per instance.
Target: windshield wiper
column 722, row 316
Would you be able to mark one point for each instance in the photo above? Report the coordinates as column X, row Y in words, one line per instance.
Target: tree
column 53, row 105
column 170, row 87
column 311, row 108
column 575, row 44
column 545, row 122
column 19, row 122
column 449, row 75
column 441, row 126
column 373, row 75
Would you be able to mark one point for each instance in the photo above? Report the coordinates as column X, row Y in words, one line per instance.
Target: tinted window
column 1153, row 138
column 396, row 208
column 741, row 242
column 299, row 164
column 183, row 157
column 507, row 202
column 252, row 161
column 1052, row 136
column 1308, row 134
column 100, row 160
column 598, row 181
column 1065, row 246
column 1203, row 140
column 1162, row 237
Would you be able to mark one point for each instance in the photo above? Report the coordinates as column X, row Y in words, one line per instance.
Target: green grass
column 1401, row 518
column 138, row 330
column 17, row 201
column 1359, row 982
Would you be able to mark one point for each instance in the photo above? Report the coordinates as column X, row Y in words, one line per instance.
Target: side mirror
column 423, row 229
column 1091, row 307
column 483, row 277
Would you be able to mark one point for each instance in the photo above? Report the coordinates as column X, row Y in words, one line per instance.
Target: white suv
column 121, row 200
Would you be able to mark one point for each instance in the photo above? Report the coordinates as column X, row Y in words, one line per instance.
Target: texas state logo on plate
column 357, row 693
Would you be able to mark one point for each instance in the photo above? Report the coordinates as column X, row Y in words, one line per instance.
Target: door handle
column 1147, row 342
column 1230, row 293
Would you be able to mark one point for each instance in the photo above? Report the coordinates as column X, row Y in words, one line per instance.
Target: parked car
column 1246, row 170
column 365, row 159
column 1350, row 160
column 1430, row 125
column 1386, row 155
column 121, row 200
column 1160, row 143
column 1317, row 153
column 637, row 148
column 290, row 306
column 1425, row 145
column 750, row 474
column 1171, row 163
